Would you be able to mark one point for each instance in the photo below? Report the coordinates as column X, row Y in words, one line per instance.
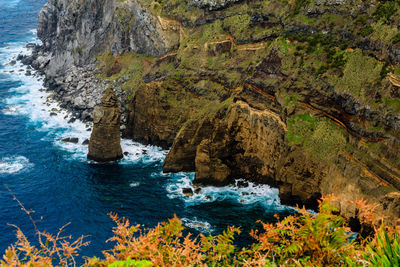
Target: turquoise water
column 55, row 180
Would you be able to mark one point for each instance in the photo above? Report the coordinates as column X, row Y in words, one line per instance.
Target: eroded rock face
column 105, row 140
column 74, row 31
column 208, row 169
column 249, row 142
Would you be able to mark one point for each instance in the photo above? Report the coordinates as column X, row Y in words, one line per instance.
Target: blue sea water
column 55, row 180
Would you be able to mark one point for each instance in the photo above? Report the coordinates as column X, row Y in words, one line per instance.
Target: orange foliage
column 304, row 239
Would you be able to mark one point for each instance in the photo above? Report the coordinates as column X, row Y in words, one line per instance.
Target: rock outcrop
column 74, row 32
column 105, row 140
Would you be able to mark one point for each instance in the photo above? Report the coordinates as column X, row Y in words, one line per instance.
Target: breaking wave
column 15, row 164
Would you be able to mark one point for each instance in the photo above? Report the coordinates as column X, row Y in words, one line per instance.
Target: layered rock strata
column 302, row 96
column 105, row 140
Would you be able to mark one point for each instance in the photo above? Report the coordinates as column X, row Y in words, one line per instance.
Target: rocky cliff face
column 301, row 95
column 76, row 31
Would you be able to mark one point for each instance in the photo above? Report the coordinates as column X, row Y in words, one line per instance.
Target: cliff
column 302, row 95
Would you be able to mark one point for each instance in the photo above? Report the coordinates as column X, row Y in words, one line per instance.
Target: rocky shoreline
column 77, row 92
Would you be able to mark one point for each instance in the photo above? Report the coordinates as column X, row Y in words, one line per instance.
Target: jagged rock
column 31, row 45
column 72, row 120
column 242, row 184
column 105, row 140
column 27, row 60
column 72, row 140
column 86, row 142
column 197, row 190
column 188, row 192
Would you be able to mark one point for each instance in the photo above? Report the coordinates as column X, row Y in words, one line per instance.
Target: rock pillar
column 105, row 140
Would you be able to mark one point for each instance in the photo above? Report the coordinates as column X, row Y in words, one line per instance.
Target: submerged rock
column 105, row 140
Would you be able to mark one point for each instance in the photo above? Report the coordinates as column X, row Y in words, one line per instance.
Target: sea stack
column 105, row 140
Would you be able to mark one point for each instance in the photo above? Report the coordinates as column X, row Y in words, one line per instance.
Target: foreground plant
column 52, row 249
column 304, row 239
column 166, row 245
column 321, row 239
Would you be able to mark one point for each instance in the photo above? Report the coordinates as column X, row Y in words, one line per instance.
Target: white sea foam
column 141, row 153
column 134, row 184
column 251, row 194
column 201, row 226
column 10, row 165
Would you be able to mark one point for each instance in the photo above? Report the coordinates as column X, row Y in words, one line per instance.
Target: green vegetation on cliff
column 222, row 49
column 302, row 91
column 319, row 136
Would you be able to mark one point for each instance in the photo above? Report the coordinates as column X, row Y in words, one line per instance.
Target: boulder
column 73, row 140
column 105, row 140
column 72, row 120
column 187, row 191
column 242, row 184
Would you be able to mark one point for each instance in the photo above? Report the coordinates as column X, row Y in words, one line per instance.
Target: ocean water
column 55, row 180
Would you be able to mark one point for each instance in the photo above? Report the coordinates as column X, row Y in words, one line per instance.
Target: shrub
column 396, row 38
column 238, row 25
column 306, row 239
column 365, row 31
column 360, row 76
column 299, row 4
column 303, row 239
column 386, row 10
